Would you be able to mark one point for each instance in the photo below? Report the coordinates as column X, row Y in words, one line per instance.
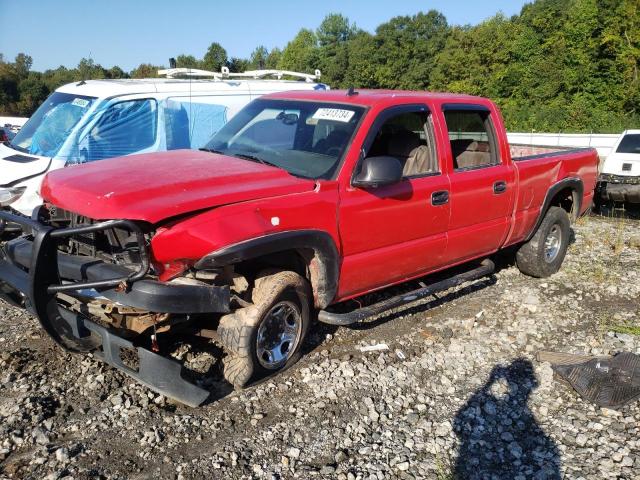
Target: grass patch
column 444, row 469
column 626, row 328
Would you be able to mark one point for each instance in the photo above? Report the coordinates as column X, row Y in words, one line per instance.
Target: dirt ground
column 454, row 391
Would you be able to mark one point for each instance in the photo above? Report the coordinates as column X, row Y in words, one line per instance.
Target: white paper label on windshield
column 335, row 114
column 80, row 102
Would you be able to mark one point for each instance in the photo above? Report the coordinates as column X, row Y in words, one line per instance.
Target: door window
column 191, row 122
column 124, row 128
column 407, row 137
column 472, row 139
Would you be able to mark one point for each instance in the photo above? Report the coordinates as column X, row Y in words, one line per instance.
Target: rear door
column 395, row 232
column 482, row 183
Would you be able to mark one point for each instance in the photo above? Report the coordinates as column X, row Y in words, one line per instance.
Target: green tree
column 238, row 65
column 88, row 69
column 273, row 59
column 187, row 61
column 215, row 58
column 116, row 72
column 334, row 34
column 301, row 53
column 22, row 65
column 33, row 91
column 258, row 58
column 145, row 70
column 335, row 29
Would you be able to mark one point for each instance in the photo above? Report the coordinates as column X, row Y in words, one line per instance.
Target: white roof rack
column 224, row 74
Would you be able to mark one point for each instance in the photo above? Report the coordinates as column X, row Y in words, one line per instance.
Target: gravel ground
column 458, row 394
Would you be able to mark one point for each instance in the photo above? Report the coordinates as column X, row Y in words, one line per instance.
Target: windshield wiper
column 16, row 147
column 253, row 158
column 210, row 150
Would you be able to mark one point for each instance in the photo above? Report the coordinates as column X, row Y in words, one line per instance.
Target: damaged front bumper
column 33, row 266
column 618, row 188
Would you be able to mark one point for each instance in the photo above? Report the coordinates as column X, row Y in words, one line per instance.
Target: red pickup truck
column 302, row 201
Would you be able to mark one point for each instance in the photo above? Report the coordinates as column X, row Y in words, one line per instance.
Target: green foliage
column 215, row 58
column 145, row 70
column 560, row 65
column 187, row 61
column 238, row 64
column 301, row 53
column 258, row 59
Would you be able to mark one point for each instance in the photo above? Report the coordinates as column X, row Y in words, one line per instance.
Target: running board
column 486, row 268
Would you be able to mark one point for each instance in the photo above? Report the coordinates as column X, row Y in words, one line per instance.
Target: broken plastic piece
column 610, row 382
column 374, row 348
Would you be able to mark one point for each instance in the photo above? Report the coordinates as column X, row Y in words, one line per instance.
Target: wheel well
column 567, row 199
column 294, row 260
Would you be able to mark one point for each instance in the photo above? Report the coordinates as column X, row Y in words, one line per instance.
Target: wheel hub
column 552, row 244
column 278, row 335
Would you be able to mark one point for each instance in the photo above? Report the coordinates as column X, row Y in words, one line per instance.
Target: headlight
column 10, row 195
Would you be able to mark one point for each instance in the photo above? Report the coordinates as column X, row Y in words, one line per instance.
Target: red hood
column 156, row 186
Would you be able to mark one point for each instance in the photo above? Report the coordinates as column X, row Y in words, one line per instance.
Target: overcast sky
column 127, row 33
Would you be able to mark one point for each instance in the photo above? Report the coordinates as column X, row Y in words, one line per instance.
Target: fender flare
column 324, row 267
column 577, row 189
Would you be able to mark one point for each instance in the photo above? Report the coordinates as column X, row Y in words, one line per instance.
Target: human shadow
column 498, row 435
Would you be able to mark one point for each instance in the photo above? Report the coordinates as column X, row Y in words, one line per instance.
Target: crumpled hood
column 16, row 166
column 156, row 186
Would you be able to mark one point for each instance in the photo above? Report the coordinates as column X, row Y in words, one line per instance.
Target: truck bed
column 521, row 152
column 538, row 167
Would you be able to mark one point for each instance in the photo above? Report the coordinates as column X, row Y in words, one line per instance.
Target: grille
column 116, row 245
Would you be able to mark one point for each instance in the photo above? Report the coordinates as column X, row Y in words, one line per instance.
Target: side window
column 124, row 128
column 472, row 139
column 191, row 122
column 407, row 137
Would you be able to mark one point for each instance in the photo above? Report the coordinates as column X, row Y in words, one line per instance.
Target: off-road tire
column 530, row 257
column 238, row 330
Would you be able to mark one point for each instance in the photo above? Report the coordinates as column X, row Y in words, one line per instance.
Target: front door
column 395, row 232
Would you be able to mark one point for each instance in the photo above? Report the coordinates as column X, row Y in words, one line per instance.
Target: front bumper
column 8, row 227
column 618, row 188
column 34, row 267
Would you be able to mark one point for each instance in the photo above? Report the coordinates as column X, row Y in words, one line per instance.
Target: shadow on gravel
column 499, row 437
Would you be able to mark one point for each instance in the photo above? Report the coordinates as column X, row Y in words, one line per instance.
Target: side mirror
column 378, row 171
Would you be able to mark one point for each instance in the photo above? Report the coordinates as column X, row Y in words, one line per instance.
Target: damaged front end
column 93, row 289
column 618, row 188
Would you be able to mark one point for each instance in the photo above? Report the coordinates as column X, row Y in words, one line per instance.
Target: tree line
column 559, row 65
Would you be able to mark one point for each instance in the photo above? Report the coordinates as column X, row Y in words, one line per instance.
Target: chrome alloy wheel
column 552, row 244
column 278, row 335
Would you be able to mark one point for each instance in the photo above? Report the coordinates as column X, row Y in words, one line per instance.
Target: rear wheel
column 543, row 255
column 266, row 337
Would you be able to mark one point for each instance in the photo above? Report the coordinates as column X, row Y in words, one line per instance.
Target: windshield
column 629, row 144
column 307, row 139
column 51, row 124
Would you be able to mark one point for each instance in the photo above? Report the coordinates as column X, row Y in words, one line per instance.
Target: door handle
column 500, row 187
column 440, row 197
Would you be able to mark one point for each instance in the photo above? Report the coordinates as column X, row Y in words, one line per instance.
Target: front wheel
column 266, row 337
column 543, row 255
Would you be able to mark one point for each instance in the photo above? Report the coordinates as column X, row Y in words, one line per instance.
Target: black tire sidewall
column 555, row 216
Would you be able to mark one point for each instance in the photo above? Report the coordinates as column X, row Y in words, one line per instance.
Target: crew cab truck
column 302, row 201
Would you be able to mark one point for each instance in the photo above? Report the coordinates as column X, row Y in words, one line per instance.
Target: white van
column 619, row 180
column 97, row 119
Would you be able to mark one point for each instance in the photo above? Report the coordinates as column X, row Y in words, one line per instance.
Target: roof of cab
column 116, row 87
column 372, row 97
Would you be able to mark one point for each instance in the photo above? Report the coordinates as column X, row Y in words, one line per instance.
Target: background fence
column 601, row 142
